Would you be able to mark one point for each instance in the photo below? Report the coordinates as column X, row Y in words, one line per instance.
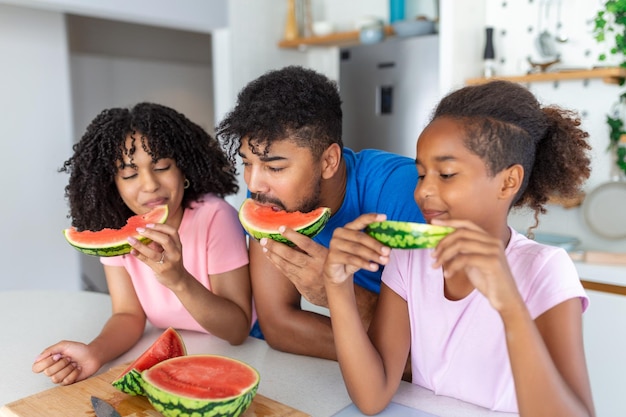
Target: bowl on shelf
column 322, row 28
column 415, row 27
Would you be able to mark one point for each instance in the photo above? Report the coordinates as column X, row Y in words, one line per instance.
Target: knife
column 103, row 408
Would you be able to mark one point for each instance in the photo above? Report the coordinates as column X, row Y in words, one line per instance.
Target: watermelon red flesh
column 114, row 242
column 202, row 377
column 200, row 385
column 263, row 221
column 169, row 345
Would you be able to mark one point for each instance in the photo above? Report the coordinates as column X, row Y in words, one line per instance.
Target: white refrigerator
column 388, row 91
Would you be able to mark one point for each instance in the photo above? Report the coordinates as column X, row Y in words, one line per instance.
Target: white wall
column 35, row 137
column 198, row 15
column 39, row 129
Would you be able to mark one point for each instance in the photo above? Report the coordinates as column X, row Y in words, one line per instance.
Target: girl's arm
column 127, row 322
column 226, row 311
column 372, row 369
column 548, row 360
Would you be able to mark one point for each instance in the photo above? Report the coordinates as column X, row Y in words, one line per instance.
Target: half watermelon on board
column 114, row 242
column 263, row 221
column 169, row 345
column 200, row 385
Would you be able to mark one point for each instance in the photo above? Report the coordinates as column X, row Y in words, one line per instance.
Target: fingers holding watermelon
column 164, row 252
column 301, row 263
column 350, row 250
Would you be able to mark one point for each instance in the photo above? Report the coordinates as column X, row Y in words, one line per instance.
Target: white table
column 33, row 320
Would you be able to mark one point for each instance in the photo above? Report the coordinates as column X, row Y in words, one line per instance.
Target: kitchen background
column 65, row 60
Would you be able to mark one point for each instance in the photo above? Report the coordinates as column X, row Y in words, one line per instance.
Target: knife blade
column 103, row 408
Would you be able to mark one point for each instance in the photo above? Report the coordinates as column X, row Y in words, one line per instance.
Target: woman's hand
column 66, row 362
column 164, row 254
column 471, row 251
column 350, row 250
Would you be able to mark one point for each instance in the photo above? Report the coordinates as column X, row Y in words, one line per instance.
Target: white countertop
column 33, row 320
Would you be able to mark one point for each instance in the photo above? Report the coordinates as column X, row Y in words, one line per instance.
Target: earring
column 186, row 184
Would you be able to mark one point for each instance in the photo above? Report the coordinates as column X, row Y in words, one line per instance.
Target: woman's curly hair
column 93, row 197
column 289, row 103
column 506, row 125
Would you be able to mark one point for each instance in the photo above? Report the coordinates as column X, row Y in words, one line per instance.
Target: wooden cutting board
column 75, row 400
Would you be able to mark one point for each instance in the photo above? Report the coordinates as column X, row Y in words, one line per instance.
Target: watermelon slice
column 114, row 242
column 407, row 235
column 263, row 221
column 200, row 385
column 169, row 345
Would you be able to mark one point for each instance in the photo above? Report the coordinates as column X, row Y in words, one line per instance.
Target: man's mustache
column 260, row 198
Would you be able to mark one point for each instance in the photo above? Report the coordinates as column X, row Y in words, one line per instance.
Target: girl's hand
column 66, row 362
column 350, row 250
column 164, row 254
column 471, row 251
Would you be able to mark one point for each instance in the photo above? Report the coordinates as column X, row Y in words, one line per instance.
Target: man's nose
column 255, row 180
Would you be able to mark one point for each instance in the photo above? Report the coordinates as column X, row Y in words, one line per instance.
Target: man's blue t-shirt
column 377, row 182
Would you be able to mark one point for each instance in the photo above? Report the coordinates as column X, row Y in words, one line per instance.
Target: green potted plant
column 610, row 26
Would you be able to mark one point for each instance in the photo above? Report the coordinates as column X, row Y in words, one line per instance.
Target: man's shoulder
column 379, row 164
column 366, row 155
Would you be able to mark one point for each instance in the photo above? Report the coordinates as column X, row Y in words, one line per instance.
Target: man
column 286, row 127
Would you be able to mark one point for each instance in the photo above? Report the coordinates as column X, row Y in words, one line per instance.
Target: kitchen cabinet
column 604, row 335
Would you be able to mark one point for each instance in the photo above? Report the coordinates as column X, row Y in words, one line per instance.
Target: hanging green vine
column 610, row 25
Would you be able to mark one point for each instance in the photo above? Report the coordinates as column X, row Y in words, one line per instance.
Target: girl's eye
column 446, row 176
column 162, row 168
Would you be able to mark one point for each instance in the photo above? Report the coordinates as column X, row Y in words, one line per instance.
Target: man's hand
column 302, row 264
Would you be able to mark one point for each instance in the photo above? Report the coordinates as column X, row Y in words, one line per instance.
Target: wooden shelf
column 334, row 39
column 609, row 75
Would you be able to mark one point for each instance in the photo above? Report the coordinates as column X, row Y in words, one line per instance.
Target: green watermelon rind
column 310, row 229
column 173, row 405
column 130, row 383
column 407, row 235
column 117, row 248
column 122, row 249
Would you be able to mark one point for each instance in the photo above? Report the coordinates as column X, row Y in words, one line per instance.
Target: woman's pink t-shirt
column 213, row 242
column 458, row 348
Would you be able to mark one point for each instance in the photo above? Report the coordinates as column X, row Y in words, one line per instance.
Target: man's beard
column 304, row 206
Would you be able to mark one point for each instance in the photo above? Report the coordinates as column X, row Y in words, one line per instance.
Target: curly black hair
column 93, row 198
column 506, row 125
column 290, row 103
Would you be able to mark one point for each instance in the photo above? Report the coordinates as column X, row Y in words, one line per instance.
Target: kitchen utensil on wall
column 560, row 36
column 604, row 210
column 545, row 41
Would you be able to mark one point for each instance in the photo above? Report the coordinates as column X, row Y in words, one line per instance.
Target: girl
column 489, row 316
column 194, row 274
